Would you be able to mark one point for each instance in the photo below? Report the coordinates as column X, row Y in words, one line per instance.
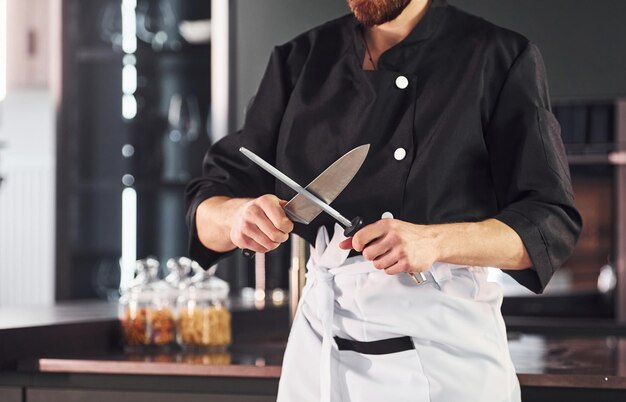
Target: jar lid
column 179, row 272
column 165, row 290
column 137, row 295
column 146, row 273
column 214, row 288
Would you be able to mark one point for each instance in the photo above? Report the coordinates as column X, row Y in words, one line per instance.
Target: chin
column 376, row 12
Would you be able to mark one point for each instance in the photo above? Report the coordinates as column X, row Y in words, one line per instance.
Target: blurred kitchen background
column 108, row 106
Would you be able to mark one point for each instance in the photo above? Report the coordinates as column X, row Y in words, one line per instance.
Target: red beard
column 376, row 12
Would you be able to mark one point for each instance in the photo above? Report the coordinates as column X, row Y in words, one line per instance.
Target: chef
column 466, row 170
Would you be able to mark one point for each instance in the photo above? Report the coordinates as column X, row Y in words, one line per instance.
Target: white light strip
column 129, row 79
column 129, row 111
column 219, row 68
column 3, row 49
column 129, row 26
column 129, row 71
column 129, row 106
column 129, row 236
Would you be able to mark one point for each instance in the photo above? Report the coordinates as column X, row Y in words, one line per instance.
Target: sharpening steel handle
column 355, row 225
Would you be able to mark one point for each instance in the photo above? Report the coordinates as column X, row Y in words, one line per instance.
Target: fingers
column 346, row 244
column 272, row 206
column 244, row 241
column 248, row 243
column 267, row 227
column 386, row 260
column 369, row 233
column 376, row 248
column 249, row 236
column 261, row 225
column 399, row 267
column 257, row 234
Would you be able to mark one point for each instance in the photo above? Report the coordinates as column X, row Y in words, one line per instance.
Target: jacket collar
column 428, row 24
column 422, row 31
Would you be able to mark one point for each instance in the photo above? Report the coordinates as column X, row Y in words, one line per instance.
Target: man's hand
column 396, row 246
column 260, row 224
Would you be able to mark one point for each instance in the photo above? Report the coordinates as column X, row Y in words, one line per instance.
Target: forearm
column 214, row 217
column 488, row 243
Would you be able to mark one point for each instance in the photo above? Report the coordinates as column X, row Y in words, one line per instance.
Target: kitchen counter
column 15, row 317
column 77, row 346
column 255, row 360
column 73, row 351
column 92, row 328
column 576, row 362
column 539, row 361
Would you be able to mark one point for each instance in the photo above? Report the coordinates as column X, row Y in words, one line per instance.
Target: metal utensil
column 306, row 205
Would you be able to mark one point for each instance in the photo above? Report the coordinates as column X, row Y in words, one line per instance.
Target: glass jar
column 147, row 308
column 204, row 319
column 161, row 315
column 135, row 302
column 132, row 312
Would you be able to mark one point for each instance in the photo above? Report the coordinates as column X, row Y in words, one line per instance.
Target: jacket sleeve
column 530, row 171
column 225, row 171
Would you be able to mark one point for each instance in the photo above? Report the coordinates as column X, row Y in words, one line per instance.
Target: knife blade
column 349, row 225
column 327, row 185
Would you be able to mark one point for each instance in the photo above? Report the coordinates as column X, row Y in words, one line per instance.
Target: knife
column 316, row 197
column 327, row 185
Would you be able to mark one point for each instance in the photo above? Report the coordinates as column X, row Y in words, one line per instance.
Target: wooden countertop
column 540, row 361
column 259, row 360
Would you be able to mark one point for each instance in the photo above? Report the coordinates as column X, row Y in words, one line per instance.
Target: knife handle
column 355, row 225
column 249, row 254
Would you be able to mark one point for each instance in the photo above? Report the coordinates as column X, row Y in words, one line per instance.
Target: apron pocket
column 394, row 377
column 381, row 347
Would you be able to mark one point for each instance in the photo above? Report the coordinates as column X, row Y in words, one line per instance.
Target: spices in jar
column 135, row 303
column 134, row 326
column 204, row 326
column 161, row 326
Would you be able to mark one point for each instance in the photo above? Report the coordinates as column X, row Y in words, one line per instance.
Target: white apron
column 460, row 348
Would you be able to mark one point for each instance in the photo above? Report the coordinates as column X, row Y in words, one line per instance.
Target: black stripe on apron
column 380, row 347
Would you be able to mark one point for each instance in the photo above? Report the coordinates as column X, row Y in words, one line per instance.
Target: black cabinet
column 171, row 130
column 90, row 135
column 130, row 117
column 11, row 394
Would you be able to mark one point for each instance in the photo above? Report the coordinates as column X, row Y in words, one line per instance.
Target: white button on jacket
column 399, row 154
column 402, row 82
column 386, row 215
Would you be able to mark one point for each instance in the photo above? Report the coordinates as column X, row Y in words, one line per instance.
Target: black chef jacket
column 470, row 137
